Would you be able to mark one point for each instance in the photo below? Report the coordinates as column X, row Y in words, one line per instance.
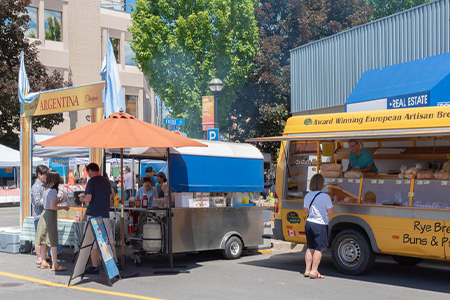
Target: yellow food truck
column 403, row 210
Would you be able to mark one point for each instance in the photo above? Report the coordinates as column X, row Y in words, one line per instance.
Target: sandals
column 45, row 266
column 316, row 276
column 58, row 268
column 306, row 275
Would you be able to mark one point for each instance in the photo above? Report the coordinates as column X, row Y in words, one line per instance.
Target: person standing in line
column 97, row 194
column 47, row 229
column 319, row 207
column 37, row 201
column 128, row 182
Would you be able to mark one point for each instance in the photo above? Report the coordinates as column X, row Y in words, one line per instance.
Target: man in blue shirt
column 97, row 194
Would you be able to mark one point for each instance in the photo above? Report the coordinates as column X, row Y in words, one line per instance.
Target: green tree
column 181, row 45
column 284, row 25
column 384, row 8
column 13, row 24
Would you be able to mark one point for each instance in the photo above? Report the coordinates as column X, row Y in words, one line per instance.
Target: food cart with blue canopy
column 207, row 186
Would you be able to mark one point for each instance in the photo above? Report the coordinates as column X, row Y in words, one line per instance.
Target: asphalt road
column 272, row 275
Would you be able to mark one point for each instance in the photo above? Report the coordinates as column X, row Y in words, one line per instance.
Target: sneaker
column 92, row 270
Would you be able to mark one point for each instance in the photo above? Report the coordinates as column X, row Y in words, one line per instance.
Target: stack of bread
column 331, row 170
column 353, row 173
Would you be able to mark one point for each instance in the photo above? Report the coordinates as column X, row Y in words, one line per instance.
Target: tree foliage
column 13, row 20
column 384, row 8
column 181, row 45
column 263, row 104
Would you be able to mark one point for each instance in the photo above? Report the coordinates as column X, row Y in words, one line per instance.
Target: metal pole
column 216, row 109
column 169, row 212
column 122, row 222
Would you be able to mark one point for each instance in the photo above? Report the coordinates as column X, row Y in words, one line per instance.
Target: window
column 129, row 54
column 131, row 102
column 116, row 48
column 52, row 25
column 32, row 31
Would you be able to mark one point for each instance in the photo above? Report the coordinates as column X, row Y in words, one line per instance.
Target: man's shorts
column 316, row 236
column 108, row 228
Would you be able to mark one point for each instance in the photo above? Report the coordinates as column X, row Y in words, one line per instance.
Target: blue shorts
column 316, row 236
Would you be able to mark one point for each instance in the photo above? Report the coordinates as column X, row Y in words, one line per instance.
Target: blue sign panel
column 174, row 122
column 103, row 241
column 59, row 161
column 174, row 127
column 410, row 100
column 213, row 134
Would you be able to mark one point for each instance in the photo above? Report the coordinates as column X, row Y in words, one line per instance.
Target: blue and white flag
column 24, row 85
column 113, row 97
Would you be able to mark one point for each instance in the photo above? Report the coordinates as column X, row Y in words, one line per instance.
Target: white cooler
column 9, row 239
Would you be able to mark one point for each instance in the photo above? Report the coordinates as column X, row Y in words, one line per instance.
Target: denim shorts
column 316, row 236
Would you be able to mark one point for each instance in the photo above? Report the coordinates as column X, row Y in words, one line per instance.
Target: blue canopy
column 422, row 82
column 220, row 167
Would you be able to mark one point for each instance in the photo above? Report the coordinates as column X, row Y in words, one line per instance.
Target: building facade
column 73, row 36
column 324, row 73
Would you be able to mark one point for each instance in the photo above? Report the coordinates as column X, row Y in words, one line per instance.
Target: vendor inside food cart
column 360, row 158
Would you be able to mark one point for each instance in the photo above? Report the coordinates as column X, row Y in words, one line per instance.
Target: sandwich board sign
column 95, row 233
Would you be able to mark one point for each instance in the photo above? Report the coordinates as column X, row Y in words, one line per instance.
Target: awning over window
column 418, row 83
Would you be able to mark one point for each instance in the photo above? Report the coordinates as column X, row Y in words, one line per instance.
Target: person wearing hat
column 149, row 172
column 162, row 186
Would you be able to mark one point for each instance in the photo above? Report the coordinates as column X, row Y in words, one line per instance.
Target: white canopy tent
column 10, row 158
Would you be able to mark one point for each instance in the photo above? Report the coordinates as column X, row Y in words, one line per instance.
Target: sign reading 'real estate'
column 62, row 100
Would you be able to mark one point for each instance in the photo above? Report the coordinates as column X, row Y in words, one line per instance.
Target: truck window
column 431, row 193
column 386, row 192
column 301, row 162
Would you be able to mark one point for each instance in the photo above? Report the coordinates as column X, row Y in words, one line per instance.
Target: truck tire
column 351, row 252
column 233, row 248
column 406, row 261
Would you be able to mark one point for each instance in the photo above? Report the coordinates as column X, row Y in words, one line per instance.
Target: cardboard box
column 184, row 199
column 72, row 213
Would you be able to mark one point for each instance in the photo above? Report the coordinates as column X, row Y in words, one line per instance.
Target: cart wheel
column 233, row 248
column 137, row 261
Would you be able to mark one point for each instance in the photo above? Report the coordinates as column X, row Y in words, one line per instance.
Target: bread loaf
column 442, row 175
column 353, row 173
column 350, row 200
column 424, row 175
column 331, row 167
column 331, row 174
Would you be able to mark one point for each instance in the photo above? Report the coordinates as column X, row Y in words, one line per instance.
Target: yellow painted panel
column 423, row 117
column 68, row 99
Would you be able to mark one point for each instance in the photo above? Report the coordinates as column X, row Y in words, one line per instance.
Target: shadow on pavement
column 428, row 275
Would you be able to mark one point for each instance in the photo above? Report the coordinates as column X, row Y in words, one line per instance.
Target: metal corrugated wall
column 324, row 73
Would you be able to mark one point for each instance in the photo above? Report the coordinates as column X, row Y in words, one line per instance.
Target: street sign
column 174, row 127
column 213, row 134
column 174, row 122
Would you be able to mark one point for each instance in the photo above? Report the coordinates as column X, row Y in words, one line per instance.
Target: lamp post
column 216, row 85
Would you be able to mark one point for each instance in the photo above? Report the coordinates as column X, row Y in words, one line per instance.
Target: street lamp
column 216, row 85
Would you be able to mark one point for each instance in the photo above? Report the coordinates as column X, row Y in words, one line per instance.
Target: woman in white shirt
column 319, row 207
column 47, row 229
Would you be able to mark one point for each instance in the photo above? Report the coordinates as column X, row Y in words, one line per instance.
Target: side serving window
column 301, row 165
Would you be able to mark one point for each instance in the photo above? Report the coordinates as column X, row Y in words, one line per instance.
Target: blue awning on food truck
column 220, row 167
column 418, row 83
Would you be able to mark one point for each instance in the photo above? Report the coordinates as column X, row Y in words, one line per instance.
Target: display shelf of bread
column 438, row 152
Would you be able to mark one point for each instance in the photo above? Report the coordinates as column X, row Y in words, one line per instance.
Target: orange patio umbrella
column 120, row 131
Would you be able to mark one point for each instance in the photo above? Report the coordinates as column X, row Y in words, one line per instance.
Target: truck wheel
column 233, row 248
column 406, row 261
column 351, row 252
